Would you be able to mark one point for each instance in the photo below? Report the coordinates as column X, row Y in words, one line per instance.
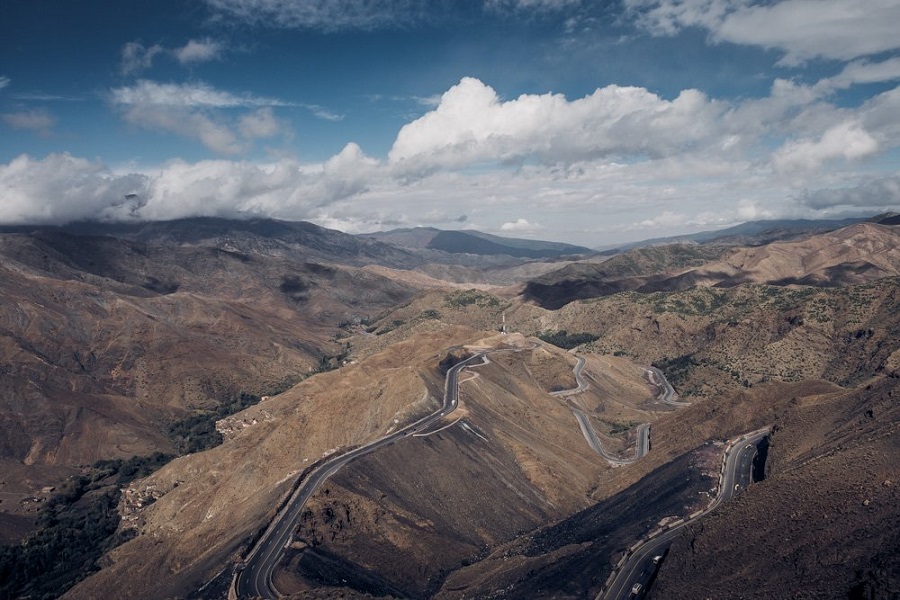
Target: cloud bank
column 618, row 163
column 472, row 125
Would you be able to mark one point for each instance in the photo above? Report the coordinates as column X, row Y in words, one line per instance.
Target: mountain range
column 165, row 386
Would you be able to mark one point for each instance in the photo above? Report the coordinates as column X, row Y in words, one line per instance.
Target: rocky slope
column 824, row 522
column 107, row 342
column 818, row 364
column 857, row 254
column 208, row 506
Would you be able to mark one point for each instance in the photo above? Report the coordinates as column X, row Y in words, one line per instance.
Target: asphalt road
column 667, row 394
column 642, row 446
column 639, row 566
column 255, row 579
column 579, row 379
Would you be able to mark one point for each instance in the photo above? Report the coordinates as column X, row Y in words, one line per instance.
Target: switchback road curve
column 254, row 580
column 642, row 444
column 639, row 565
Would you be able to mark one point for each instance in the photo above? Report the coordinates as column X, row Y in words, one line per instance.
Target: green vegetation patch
column 564, row 339
column 74, row 529
column 468, row 298
column 79, row 524
column 697, row 302
column 198, row 432
column 329, row 362
column 658, row 259
column 678, row 369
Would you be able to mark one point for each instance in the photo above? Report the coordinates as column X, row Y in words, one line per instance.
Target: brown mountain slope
column 511, row 459
column 857, row 254
column 516, row 460
column 822, row 525
column 210, row 504
column 712, row 341
column 709, row 340
column 505, row 500
column 747, row 357
column 105, row 343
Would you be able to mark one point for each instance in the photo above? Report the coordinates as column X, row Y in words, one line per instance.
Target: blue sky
column 574, row 120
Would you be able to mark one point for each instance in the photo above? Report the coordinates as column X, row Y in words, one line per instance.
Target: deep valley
column 166, row 387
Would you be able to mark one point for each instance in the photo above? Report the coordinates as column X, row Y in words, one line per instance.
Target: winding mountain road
column 254, row 580
column 642, row 445
column 638, row 567
column 666, row 393
column 582, row 385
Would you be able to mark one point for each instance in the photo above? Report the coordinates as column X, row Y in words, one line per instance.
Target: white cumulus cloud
column 195, row 110
column 259, row 124
column 61, row 188
column 186, row 95
column 863, row 71
column 848, row 141
column 212, row 131
column 472, row 124
column 136, row 57
column 616, row 164
column 520, row 226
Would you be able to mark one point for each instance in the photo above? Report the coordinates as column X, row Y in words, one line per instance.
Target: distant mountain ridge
column 475, row 242
column 250, row 236
column 851, row 255
column 755, row 233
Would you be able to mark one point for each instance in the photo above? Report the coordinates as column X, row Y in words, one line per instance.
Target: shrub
column 564, row 339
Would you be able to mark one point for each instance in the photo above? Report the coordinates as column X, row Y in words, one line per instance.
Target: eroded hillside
column 853, row 255
column 107, row 341
column 209, row 506
column 107, row 344
column 510, row 459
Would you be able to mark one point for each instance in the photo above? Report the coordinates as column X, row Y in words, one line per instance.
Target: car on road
column 657, row 559
column 636, row 589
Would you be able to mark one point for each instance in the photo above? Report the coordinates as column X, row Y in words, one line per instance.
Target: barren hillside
column 856, row 254
column 107, row 343
column 119, row 347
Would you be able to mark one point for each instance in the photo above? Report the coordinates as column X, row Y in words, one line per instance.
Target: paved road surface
column 642, row 447
column 667, row 393
column 255, row 579
column 579, row 379
column 639, row 566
